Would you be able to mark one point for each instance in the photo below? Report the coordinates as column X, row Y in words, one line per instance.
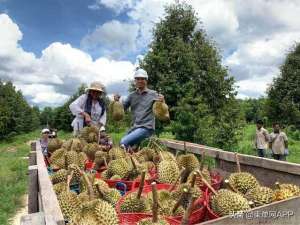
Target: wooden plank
column 33, row 219
column 32, row 158
column 287, row 167
column 49, row 200
column 276, row 213
column 33, row 206
column 33, row 146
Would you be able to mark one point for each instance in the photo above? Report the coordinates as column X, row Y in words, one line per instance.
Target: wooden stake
column 155, row 203
column 194, row 179
column 187, row 213
column 141, row 187
column 184, row 148
column 202, row 160
column 184, row 194
column 89, row 187
column 206, row 182
column 99, row 191
column 237, row 162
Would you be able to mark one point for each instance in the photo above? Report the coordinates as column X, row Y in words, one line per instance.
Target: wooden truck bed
column 44, row 209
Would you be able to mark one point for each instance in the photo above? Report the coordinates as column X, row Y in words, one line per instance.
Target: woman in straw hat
column 89, row 108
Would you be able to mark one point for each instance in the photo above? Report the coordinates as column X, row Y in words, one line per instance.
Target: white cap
column 140, row 73
column 45, row 130
column 102, row 128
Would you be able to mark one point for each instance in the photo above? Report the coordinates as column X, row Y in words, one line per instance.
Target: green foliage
column 16, row 115
column 283, row 103
column 253, row 109
column 185, row 66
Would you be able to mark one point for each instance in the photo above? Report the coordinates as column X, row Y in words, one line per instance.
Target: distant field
column 245, row 144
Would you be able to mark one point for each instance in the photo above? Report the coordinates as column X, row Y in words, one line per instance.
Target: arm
column 102, row 120
column 126, row 102
column 76, row 107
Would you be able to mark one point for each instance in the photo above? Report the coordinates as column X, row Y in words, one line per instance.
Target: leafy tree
column 184, row 64
column 283, row 102
column 16, row 115
column 253, row 109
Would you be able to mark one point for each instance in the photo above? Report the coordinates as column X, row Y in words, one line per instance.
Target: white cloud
column 113, row 39
column 50, row 79
column 116, row 5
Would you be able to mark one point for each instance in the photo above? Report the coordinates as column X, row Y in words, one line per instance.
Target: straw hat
column 96, row 86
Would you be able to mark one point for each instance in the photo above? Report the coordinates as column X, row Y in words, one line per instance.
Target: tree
column 184, row 64
column 16, row 115
column 283, row 102
column 253, row 109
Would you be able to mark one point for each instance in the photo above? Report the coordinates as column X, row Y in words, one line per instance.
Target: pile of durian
column 97, row 203
column 244, row 192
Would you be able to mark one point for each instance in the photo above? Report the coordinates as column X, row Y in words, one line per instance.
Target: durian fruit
column 100, row 159
column 168, row 171
column 115, row 177
column 90, row 149
column 135, row 202
column 145, row 154
column 100, row 183
column 117, row 110
column 83, row 197
column 260, row 195
column 71, row 157
column 81, row 160
column 285, row 191
column 192, row 192
column 106, row 214
column 188, row 161
column 105, row 175
column 57, row 159
column 76, row 145
column 155, row 206
column 59, row 187
column 54, row 144
column 161, row 111
column 59, row 176
column 69, row 203
column 116, row 153
column 75, row 171
column 199, row 182
column 67, row 144
column 118, row 167
column 226, row 202
column 111, row 195
column 90, row 134
column 242, row 181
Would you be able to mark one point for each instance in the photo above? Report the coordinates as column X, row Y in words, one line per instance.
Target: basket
column 216, row 181
column 210, row 213
column 197, row 215
column 134, row 218
column 132, row 184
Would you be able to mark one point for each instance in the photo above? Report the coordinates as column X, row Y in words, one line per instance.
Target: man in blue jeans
column 140, row 102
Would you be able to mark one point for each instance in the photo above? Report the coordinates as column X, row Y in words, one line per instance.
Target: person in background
column 89, row 108
column 261, row 139
column 104, row 139
column 140, row 102
column 278, row 143
column 44, row 141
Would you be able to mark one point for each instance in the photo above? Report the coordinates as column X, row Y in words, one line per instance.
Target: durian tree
column 283, row 101
column 185, row 65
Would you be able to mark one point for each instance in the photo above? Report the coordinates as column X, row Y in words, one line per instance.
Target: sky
column 49, row 47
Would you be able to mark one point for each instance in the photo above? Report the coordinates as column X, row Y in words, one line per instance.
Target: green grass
column 246, row 146
column 13, row 172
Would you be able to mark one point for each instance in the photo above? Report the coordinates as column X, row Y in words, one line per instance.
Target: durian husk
column 168, row 172
column 132, row 204
column 161, row 111
column 227, row 202
column 54, row 144
column 260, row 195
column 242, row 181
column 148, row 221
column 117, row 111
column 188, row 161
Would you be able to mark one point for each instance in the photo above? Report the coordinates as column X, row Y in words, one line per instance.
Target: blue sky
column 49, row 47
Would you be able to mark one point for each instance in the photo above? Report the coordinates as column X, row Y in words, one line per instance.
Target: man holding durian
column 142, row 103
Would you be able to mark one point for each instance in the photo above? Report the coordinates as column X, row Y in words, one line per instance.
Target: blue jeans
column 136, row 136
